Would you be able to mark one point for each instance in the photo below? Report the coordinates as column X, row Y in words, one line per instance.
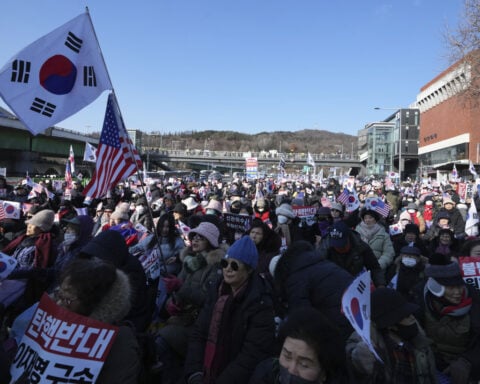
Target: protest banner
column 470, row 266
column 60, row 346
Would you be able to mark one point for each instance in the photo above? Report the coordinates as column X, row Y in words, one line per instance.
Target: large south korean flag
column 56, row 76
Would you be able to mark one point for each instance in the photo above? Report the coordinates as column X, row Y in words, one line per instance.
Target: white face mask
column 409, row 261
column 140, row 209
column 282, row 219
column 69, row 238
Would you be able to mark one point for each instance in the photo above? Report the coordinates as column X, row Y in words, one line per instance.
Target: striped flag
column 3, row 214
column 117, row 158
column 71, row 158
column 55, row 76
column 378, row 205
column 68, row 175
column 343, row 197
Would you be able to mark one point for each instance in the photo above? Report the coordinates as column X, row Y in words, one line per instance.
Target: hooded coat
column 307, row 279
column 110, row 245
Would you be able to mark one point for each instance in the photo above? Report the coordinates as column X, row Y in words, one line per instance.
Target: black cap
column 389, row 307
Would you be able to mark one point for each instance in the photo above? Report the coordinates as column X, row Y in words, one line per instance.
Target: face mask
column 287, row 378
column 409, row 261
column 140, row 209
column 69, row 238
column 407, row 332
column 282, row 219
column 211, row 212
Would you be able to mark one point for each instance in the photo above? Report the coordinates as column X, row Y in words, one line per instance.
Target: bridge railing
column 200, row 154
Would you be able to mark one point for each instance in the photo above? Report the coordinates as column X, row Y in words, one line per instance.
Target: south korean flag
column 56, row 76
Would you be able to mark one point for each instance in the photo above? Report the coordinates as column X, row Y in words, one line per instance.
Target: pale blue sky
column 250, row 65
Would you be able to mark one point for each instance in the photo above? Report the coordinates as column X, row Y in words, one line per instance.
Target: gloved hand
column 172, row 308
column 459, row 371
column 195, row 378
column 172, row 283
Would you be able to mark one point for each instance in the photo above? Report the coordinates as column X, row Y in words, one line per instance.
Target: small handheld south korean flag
column 7, row 265
column 356, row 308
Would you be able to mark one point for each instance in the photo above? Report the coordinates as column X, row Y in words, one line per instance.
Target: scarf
column 443, row 249
column 284, row 231
column 43, row 246
column 445, row 308
column 428, row 212
column 367, row 232
column 219, row 333
column 403, row 363
column 414, row 218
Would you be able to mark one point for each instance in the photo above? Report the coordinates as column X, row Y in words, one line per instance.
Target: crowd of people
column 234, row 283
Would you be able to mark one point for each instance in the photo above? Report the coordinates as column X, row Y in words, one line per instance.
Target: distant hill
column 307, row 140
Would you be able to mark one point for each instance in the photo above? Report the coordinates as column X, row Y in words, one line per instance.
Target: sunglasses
column 233, row 264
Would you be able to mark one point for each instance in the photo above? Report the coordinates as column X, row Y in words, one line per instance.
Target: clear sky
column 250, row 65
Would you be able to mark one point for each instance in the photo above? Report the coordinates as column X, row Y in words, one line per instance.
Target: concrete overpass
column 46, row 153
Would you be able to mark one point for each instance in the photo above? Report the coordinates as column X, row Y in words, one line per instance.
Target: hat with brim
column 447, row 275
column 389, row 307
column 190, row 203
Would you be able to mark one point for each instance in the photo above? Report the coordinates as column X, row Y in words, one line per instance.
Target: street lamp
column 400, row 146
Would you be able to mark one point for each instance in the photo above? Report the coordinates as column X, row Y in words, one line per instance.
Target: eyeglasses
column 60, row 297
column 233, row 264
column 198, row 237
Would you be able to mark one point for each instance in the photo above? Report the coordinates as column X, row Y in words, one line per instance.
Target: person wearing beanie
column 262, row 210
column 187, row 293
column 35, row 251
column 337, row 211
column 457, row 223
column 450, row 314
column 375, row 235
column 235, row 329
column 288, row 226
column 141, row 215
column 445, row 243
column 410, row 237
column 345, row 248
column 399, row 341
column 442, row 221
column 409, row 271
column 412, row 215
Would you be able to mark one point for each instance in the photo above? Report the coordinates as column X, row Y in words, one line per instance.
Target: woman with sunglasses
column 235, row 329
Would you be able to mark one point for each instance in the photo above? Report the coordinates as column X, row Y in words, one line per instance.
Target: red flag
column 117, row 158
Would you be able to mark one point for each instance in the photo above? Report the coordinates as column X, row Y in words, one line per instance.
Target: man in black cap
column 410, row 266
column 450, row 313
column 345, row 248
column 398, row 340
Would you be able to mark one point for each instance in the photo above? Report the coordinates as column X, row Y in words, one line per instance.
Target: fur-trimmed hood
column 115, row 305
column 212, row 257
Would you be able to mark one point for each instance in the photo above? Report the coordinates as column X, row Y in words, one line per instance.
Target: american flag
column 117, row 158
column 343, row 197
column 68, row 174
column 3, row 215
column 71, row 158
column 380, row 206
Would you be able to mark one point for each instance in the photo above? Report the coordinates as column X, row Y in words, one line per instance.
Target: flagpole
column 164, row 266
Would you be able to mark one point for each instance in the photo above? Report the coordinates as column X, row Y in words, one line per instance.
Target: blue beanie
column 244, row 250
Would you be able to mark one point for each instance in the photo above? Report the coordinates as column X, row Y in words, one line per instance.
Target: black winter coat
column 251, row 336
column 309, row 280
column 359, row 257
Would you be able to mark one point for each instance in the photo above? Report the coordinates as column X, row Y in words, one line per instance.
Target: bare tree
column 463, row 47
